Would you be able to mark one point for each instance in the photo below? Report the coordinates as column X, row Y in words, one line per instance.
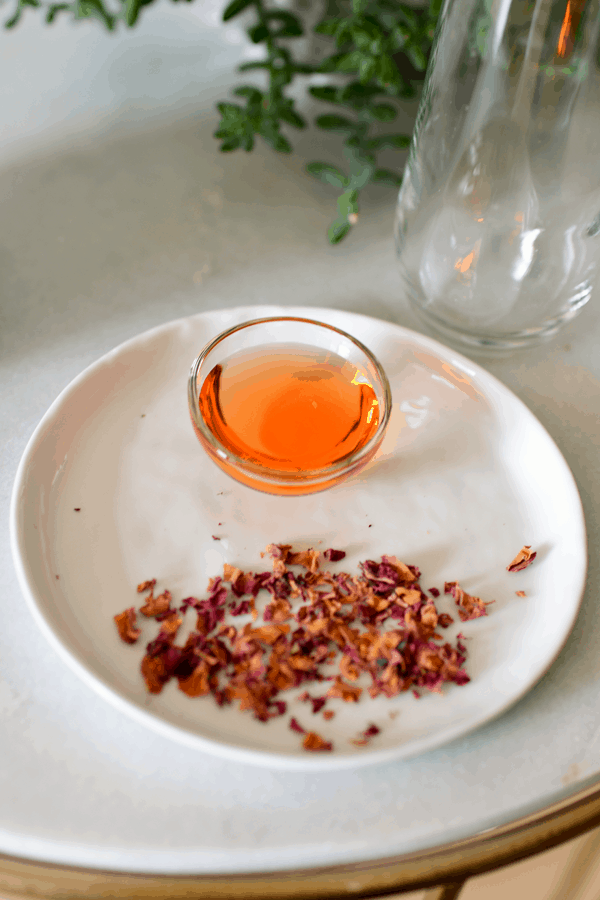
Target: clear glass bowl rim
column 277, row 475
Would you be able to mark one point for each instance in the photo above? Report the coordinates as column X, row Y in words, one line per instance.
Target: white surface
column 72, row 81
column 108, row 496
column 117, row 235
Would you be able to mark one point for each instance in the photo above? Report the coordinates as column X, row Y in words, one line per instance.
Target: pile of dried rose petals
column 313, row 621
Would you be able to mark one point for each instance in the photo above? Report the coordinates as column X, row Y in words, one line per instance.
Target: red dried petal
column 146, row 586
column 523, row 559
column 365, row 736
column 332, row 555
column 154, row 673
column 307, row 558
column 197, row 684
column 469, row 607
column 126, row 622
column 231, row 573
column 313, row 741
column 155, row 606
column 349, row 693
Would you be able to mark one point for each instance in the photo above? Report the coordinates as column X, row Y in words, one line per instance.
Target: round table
column 119, row 214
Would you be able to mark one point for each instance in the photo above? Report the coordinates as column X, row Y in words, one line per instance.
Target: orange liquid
column 291, row 409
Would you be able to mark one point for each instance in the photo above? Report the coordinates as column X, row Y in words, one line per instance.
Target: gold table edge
column 21, row 879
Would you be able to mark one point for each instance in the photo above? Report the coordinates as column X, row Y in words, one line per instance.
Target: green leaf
column 246, row 67
column 347, row 62
column 383, row 112
column 269, row 130
column 258, row 33
column 235, row 8
column 280, row 78
column 334, row 123
column 327, row 26
column 388, row 75
column 327, row 174
column 55, row 9
column 289, row 115
column 357, row 158
column 417, row 57
column 327, row 94
column 131, row 11
column 230, row 144
column 304, row 68
column 290, row 25
column 359, row 180
column 435, row 8
column 399, row 37
column 253, row 94
column 386, row 176
column 14, row 19
column 389, row 142
column 347, row 204
column 278, row 142
column 19, row 11
column 94, row 9
column 367, row 37
column 338, row 231
column 233, row 116
column 355, row 91
column 367, row 68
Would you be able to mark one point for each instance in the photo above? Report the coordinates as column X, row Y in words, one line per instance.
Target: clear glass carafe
column 498, row 223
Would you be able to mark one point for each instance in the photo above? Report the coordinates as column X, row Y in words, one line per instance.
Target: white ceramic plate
column 465, row 477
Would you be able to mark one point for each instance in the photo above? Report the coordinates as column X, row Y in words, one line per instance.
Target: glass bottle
column 498, row 221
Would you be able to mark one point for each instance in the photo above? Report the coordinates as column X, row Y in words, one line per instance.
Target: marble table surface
column 118, row 214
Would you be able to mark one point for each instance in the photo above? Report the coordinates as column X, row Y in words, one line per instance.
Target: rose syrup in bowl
column 288, row 405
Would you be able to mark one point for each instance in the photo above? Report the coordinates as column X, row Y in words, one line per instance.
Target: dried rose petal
column 146, row 586
column 349, row 693
column 170, row 626
column 365, row 736
column 126, row 622
column 268, row 634
column 523, row 559
column 307, row 558
column 313, row 741
column 332, row 555
column 469, row 607
column 295, row 726
column 155, row 606
column 230, row 573
column 154, row 673
column 197, row 684
column 317, row 702
column 279, row 551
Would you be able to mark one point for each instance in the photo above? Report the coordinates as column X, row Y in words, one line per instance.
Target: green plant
column 379, row 53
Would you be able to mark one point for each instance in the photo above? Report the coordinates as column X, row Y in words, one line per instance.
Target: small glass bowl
column 260, row 351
